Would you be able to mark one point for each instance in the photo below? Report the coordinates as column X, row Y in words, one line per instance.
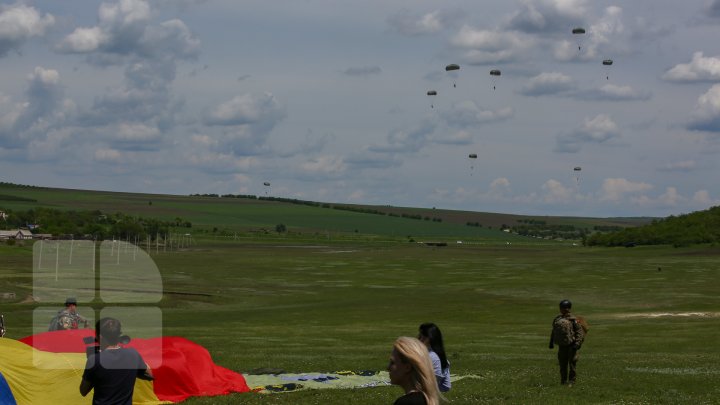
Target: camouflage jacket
column 566, row 330
column 67, row 320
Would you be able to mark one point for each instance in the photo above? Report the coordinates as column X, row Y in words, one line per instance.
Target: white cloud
column 468, row 114
column 263, row 110
column 699, row 69
column 599, row 38
column 706, row 115
column 461, row 137
column 598, row 130
column 615, row 189
column 108, row 155
column 19, row 23
column 548, row 83
column 325, row 165
column 408, row 23
column 555, row 192
column 613, row 92
column 489, row 47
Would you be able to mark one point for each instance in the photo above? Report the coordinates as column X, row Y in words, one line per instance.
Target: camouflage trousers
column 567, row 357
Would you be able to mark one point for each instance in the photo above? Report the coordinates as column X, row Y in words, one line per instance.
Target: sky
column 327, row 101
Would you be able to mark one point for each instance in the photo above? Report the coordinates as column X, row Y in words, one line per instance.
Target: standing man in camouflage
column 68, row 318
column 568, row 334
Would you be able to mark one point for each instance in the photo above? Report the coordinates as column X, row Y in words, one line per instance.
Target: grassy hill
column 228, row 215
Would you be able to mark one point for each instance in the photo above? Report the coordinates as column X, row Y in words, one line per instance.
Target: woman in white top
column 431, row 336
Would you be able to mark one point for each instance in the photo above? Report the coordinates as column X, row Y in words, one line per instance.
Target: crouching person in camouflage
column 568, row 334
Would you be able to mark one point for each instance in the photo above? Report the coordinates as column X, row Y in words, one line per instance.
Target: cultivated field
column 337, row 304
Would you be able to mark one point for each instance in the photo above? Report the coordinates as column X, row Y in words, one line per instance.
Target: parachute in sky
column 578, row 32
column 607, row 63
column 495, row 73
column 267, row 183
column 432, row 93
column 267, row 187
column 451, row 68
column 577, row 170
column 472, row 156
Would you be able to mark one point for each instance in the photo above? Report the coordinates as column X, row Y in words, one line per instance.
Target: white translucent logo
column 113, row 279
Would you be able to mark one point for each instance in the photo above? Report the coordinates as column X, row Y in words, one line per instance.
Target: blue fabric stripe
column 6, row 396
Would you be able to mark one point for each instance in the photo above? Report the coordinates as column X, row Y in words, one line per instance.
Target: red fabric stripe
column 181, row 367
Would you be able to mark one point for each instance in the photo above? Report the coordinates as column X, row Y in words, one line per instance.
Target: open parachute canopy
column 577, row 168
column 578, row 30
column 607, row 62
column 495, row 72
column 472, row 156
column 432, row 93
column 267, row 183
column 452, row 66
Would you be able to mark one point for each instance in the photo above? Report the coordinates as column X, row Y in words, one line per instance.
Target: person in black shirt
column 112, row 370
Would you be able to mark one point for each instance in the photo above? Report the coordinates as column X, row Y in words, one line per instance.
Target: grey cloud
column 548, row 16
column 712, row 9
column 706, row 115
column 402, row 141
column 363, row 71
column 245, row 122
column 372, row 160
column 43, row 110
column 682, row 166
column 19, row 23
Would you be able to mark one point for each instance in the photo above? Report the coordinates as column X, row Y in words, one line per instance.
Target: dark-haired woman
column 431, row 336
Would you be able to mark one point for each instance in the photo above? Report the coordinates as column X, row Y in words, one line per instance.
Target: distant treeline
column 6, row 197
column 89, row 224
column 682, row 230
column 323, row 205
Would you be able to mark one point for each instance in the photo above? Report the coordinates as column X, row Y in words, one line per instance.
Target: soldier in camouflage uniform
column 68, row 318
column 568, row 334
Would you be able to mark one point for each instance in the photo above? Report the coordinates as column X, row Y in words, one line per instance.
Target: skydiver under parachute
column 577, row 171
column 577, row 32
column 432, row 93
column 472, row 156
column 607, row 63
column 452, row 67
column 495, row 73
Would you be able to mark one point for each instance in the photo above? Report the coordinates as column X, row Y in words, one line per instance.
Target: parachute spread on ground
column 495, row 73
column 578, row 32
column 451, row 68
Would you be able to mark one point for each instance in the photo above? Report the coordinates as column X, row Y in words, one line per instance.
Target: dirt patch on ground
column 668, row 315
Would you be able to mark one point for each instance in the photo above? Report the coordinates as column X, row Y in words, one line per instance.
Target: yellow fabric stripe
column 37, row 377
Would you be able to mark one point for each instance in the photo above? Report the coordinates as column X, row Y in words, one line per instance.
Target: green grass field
column 336, row 290
column 328, row 305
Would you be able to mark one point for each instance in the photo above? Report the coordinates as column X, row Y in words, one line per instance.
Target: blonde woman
column 410, row 368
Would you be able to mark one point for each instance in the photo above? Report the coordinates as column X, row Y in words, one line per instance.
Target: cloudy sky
column 327, row 101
